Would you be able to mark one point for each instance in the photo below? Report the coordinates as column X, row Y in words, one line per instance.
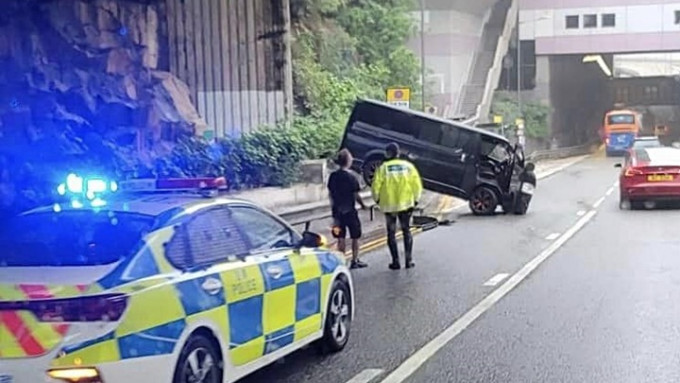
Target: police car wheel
column 199, row 362
column 338, row 319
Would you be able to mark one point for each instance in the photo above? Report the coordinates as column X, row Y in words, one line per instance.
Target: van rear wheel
column 483, row 201
column 368, row 170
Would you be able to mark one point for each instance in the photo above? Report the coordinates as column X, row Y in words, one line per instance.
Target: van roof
column 435, row 118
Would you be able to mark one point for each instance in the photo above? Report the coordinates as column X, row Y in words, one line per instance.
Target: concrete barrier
column 556, row 154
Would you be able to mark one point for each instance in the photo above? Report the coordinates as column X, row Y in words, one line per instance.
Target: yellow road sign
column 398, row 95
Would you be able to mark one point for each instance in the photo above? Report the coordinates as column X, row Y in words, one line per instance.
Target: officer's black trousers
column 404, row 219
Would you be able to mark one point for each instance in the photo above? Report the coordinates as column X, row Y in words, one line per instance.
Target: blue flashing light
column 96, row 185
column 92, row 189
column 74, row 184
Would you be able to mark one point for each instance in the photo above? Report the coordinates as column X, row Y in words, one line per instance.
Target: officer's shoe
column 410, row 265
column 394, row 266
column 358, row 265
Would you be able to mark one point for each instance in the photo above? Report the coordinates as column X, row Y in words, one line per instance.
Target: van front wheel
column 483, row 201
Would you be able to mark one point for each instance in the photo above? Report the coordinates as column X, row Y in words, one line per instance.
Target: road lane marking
column 496, row 279
column 610, row 191
column 549, row 172
column 552, row 236
column 598, row 202
column 366, row 376
column 581, row 213
column 416, row 360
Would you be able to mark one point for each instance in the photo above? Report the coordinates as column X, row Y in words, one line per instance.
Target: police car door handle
column 275, row 272
column 212, row 286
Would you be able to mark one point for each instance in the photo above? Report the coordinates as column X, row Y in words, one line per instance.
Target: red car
column 650, row 175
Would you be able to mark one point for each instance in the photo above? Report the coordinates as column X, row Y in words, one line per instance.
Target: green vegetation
column 536, row 115
column 343, row 50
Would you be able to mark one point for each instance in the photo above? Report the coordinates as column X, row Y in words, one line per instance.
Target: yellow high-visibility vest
column 397, row 186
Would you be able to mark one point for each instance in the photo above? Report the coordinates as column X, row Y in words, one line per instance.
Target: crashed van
column 480, row 167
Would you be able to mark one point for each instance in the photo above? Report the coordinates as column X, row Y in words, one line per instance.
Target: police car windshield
column 71, row 238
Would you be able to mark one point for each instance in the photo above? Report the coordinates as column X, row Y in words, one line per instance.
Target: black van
column 452, row 158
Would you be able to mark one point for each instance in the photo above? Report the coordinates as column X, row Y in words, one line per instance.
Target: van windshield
column 497, row 151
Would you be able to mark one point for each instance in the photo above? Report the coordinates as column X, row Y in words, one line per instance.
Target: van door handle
column 462, row 157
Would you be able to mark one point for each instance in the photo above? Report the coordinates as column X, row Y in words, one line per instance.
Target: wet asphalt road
column 600, row 309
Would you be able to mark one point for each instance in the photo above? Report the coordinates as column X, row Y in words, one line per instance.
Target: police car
column 162, row 281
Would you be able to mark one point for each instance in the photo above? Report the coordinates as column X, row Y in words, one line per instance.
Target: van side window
column 450, row 137
column 428, row 131
column 393, row 121
column 466, row 140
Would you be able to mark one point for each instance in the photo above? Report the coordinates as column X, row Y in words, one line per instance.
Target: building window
column 609, row 20
column 572, row 22
column 590, row 21
column 677, row 17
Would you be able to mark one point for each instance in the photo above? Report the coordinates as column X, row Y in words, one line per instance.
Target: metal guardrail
column 554, row 154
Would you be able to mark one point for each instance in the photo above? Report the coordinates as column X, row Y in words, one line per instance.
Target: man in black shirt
column 343, row 188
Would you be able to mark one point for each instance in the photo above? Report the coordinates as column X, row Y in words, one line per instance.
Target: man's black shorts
column 347, row 222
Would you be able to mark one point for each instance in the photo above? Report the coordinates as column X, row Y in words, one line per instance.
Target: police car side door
column 224, row 285
column 293, row 297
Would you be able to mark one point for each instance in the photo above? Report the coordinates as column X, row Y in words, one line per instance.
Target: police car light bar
column 173, row 184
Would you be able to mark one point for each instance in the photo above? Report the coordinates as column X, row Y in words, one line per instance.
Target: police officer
column 397, row 188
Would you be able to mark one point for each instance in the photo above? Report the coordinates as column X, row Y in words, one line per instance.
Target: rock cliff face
column 84, row 78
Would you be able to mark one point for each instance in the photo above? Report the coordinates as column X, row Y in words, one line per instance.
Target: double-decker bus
column 620, row 129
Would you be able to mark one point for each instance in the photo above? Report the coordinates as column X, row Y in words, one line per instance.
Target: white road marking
column 416, row 360
column 610, row 191
column 496, row 279
column 581, row 213
column 366, row 376
column 598, row 202
column 552, row 236
column 550, row 172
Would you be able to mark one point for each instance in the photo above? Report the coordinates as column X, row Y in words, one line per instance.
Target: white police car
column 161, row 281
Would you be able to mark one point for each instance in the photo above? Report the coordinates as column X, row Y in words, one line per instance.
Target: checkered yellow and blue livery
column 180, row 300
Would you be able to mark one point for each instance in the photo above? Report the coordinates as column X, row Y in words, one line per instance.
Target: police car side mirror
column 310, row 239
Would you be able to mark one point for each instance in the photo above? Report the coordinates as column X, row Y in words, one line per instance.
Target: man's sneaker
column 394, row 266
column 410, row 265
column 358, row 265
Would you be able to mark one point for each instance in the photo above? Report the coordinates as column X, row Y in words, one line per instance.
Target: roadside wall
column 231, row 55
